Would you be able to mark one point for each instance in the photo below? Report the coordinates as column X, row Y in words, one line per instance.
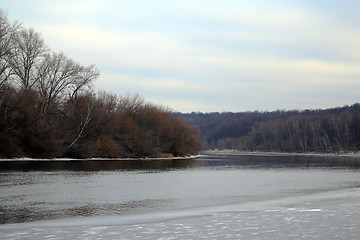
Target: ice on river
column 326, row 215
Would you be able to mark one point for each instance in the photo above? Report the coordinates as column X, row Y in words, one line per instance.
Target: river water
column 215, row 196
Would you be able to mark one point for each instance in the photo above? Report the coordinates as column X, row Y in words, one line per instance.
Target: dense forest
column 48, row 108
column 329, row 130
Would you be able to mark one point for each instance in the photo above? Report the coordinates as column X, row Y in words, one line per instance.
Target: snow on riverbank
column 355, row 155
column 258, row 153
column 97, row 159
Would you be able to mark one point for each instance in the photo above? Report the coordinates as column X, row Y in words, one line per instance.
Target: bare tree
column 131, row 104
column 83, row 113
column 28, row 51
column 7, row 32
column 60, row 76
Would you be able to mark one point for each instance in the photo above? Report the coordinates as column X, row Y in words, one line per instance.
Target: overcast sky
column 209, row 55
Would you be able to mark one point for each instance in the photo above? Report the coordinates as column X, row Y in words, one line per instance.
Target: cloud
column 165, row 86
column 143, row 49
column 156, row 64
column 74, row 10
column 229, row 55
column 260, row 15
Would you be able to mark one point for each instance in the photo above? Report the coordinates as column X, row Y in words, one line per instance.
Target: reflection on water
column 96, row 165
column 36, row 190
column 281, row 161
column 42, row 210
column 209, row 160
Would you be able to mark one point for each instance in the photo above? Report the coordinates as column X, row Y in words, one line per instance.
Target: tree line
column 49, row 108
column 329, row 130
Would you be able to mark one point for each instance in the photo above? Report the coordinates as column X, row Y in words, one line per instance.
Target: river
column 214, row 196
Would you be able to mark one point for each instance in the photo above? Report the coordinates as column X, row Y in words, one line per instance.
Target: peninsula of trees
column 48, row 108
column 329, row 130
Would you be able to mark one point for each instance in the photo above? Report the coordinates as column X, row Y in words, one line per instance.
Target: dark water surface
column 208, row 160
column 47, row 190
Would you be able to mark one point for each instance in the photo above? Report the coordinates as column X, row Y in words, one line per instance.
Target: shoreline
column 25, row 159
column 260, row 153
column 233, row 152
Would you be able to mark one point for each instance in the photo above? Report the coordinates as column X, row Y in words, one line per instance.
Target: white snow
column 95, row 159
column 285, row 218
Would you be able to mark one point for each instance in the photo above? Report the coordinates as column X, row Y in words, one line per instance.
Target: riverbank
column 259, row 153
column 95, row 159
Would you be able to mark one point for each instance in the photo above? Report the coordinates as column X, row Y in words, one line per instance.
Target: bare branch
column 28, row 50
column 7, row 32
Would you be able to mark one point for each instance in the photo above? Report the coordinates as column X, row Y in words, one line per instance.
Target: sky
column 209, row 55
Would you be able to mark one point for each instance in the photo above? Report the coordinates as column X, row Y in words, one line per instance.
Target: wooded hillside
column 330, row 130
column 48, row 108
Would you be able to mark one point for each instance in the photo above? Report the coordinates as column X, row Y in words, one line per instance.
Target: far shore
column 246, row 153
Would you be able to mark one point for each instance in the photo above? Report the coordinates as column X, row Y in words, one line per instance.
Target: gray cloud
column 210, row 55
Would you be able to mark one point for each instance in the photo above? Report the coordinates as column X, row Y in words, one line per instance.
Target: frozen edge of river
column 293, row 203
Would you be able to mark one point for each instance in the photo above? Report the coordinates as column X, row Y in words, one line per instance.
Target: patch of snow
column 96, row 159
